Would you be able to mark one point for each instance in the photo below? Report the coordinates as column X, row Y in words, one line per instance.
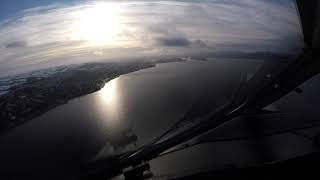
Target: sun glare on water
column 109, row 93
column 108, row 103
column 98, row 24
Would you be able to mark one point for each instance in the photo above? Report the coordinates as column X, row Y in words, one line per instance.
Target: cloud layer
column 58, row 34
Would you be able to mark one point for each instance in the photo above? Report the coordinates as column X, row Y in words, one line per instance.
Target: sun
column 98, row 24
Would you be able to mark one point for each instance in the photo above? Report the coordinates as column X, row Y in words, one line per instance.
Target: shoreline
column 39, row 95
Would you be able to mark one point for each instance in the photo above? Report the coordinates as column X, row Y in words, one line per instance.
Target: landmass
column 27, row 96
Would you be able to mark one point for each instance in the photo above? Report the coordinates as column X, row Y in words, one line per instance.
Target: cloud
column 173, row 42
column 55, row 34
column 15, row 44
column 201, row 44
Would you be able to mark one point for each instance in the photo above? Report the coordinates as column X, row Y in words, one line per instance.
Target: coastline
column 38, row 95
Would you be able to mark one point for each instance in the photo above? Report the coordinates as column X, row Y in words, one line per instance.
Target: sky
column 38, row 34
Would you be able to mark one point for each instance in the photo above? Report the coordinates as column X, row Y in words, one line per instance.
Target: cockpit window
column 122, row 83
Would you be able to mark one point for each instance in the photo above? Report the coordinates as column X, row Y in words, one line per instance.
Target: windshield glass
column 85, row 80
